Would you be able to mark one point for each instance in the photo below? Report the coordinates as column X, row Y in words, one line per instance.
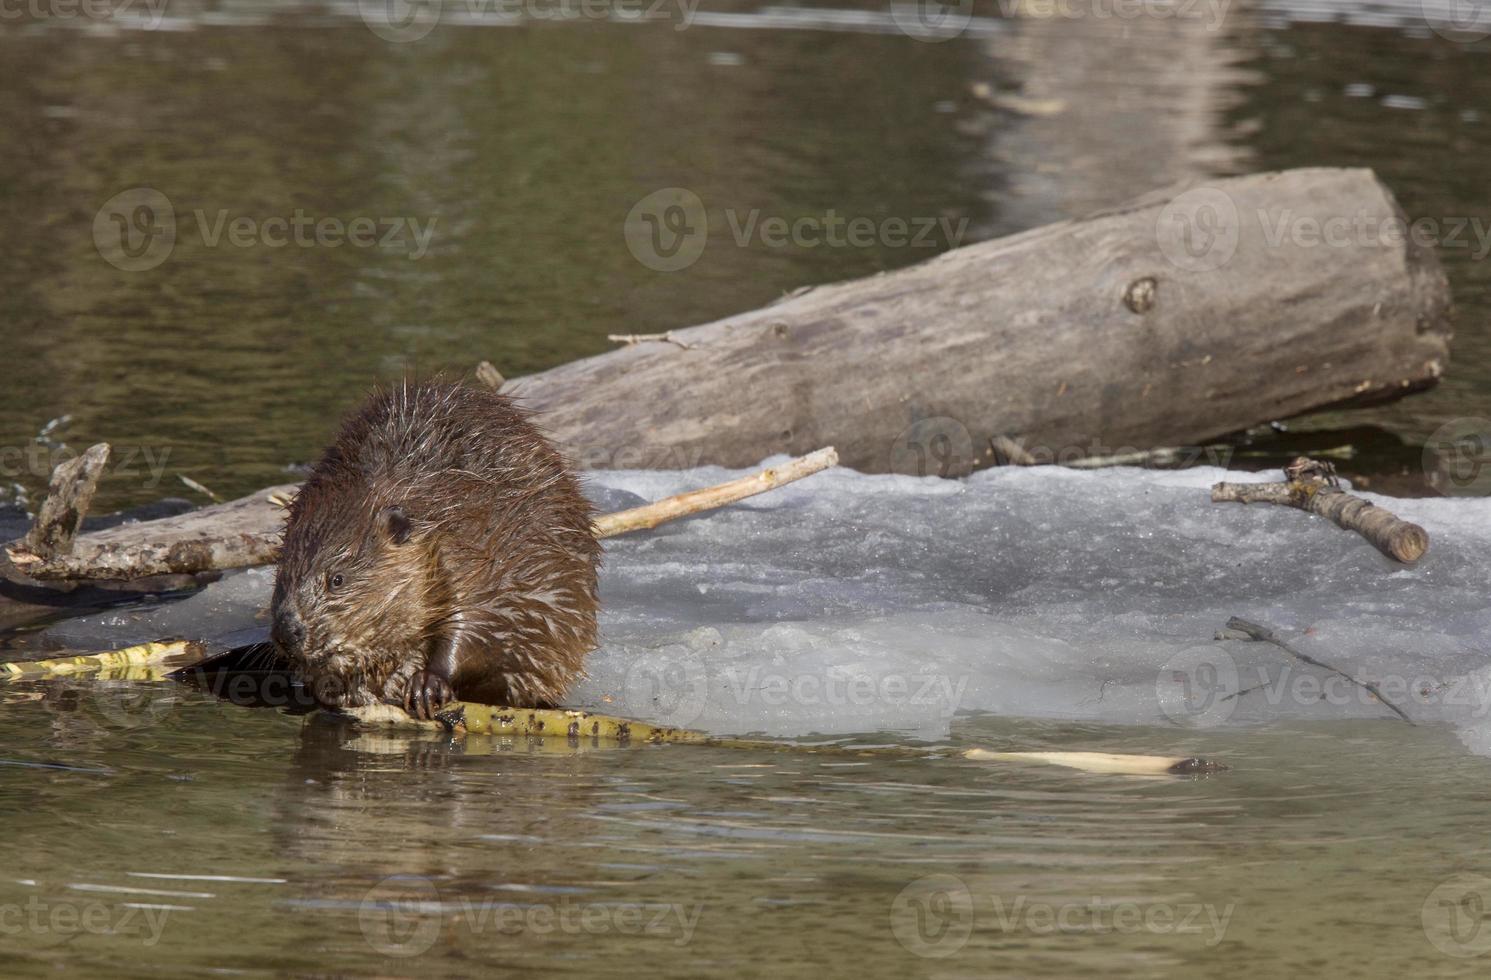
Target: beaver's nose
column 288, row 631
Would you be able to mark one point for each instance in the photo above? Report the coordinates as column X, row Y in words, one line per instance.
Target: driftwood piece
column 1311, row 485
column 1170, row 321
column 237, row 534
column 68, row 497
column 247, row 532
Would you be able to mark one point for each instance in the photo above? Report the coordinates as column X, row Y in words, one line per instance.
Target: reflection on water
column 345, row 208
column 176, row 825
column 326, row 207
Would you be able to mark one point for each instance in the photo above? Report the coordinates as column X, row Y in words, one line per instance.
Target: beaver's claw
column 426, row 694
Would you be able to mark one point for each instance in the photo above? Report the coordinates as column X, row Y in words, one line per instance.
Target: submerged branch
column 1265, row 635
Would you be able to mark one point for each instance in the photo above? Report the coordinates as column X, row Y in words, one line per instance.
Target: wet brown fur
column 454, row 526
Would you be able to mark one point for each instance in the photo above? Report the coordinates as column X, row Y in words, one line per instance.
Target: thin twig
column 642, row 338
column 710, row 498
column 1265, row 635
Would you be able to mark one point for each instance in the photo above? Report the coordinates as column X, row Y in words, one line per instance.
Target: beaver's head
column 353, row 593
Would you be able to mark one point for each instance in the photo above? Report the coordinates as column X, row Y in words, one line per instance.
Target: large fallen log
column 1183, row 316
column 247, row 532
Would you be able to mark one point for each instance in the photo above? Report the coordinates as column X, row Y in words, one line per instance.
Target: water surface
column 154, row 835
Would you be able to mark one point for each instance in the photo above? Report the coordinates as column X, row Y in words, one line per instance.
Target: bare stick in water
column 1265, row 635
column 1312, row 486
column 483, row 719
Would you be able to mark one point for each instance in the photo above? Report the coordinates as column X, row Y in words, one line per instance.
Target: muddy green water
column 163, row 834
column 155, row 835
column 496, row 167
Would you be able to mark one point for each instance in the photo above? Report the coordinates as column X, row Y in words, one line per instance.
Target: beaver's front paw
column 426, row 694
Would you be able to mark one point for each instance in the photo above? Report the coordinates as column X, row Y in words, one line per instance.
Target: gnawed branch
column 712, row 498
column 1311, row 486
column 485, row 719
column 145, row 655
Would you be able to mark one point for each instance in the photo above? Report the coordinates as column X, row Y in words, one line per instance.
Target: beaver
column 441, row 549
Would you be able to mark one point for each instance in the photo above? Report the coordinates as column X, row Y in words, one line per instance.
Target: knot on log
column 1140, row 295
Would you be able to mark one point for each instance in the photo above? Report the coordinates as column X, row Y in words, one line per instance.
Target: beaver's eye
column 334, row 580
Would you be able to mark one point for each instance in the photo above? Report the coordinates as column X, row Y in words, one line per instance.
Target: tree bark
column 1183, row 316
column 1186, row 315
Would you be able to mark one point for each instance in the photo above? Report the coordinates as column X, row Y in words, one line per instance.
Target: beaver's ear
column 394, row 523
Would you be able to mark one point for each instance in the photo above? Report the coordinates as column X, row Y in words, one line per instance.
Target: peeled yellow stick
column 710, row 498
column 1134, row 765
column 144, row 655
column 486, row 719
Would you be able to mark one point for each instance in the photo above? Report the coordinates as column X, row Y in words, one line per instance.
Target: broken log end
column 69, row 495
